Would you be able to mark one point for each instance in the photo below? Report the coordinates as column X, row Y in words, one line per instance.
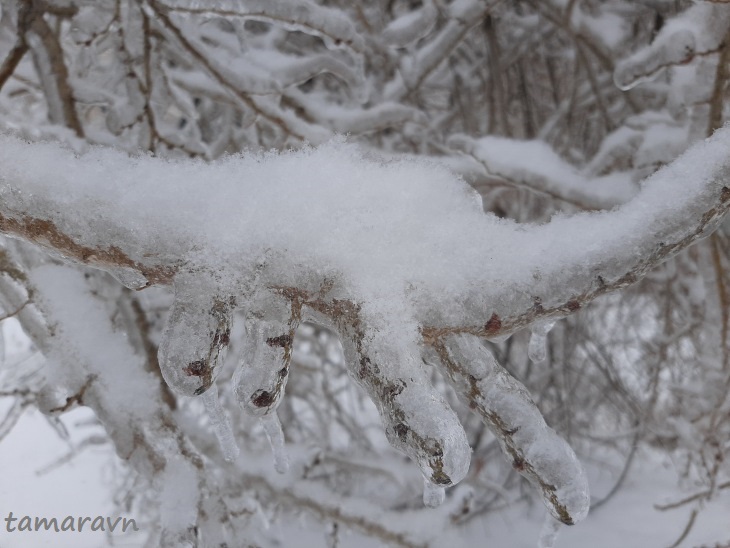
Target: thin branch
column 691, row 498
column 333, row 511
column 12, row 60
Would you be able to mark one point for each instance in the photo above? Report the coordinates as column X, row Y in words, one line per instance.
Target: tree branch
column 598, row 253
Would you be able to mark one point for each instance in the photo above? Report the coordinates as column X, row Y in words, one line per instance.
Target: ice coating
column 260, row 380
column 196, row 336
column 275, row 435
column 533, row 448
column 416, row 418
column 433, row 495
column 221, row 424
column 537, row 347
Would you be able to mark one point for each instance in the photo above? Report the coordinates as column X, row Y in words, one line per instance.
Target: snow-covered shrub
column 202, row 256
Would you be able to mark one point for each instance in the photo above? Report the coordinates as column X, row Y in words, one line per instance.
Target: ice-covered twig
column 359, row 516
column 48, row 56
column 416, row 418
column 505, row 406
column 196, row 336
column 124, row 397
column 355, row 120
column 261, row 377
column 384, row 295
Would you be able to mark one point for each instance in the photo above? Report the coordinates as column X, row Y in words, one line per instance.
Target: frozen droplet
column 221, row 424
column 275, row 434
column 549, row 532
column 537, row 348
column 433, row 495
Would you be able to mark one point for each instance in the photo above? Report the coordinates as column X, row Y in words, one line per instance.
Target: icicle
column 433, row 495
column 549, row 532
column 221, row 424
column 275, row 434
column 537, row 349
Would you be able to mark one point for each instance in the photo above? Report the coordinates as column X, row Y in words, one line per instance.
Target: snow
column 71, row 311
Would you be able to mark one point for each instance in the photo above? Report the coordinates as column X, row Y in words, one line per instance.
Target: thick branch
column 509, row 275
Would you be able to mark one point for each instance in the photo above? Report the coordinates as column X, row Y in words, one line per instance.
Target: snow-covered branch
column 136, row 234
